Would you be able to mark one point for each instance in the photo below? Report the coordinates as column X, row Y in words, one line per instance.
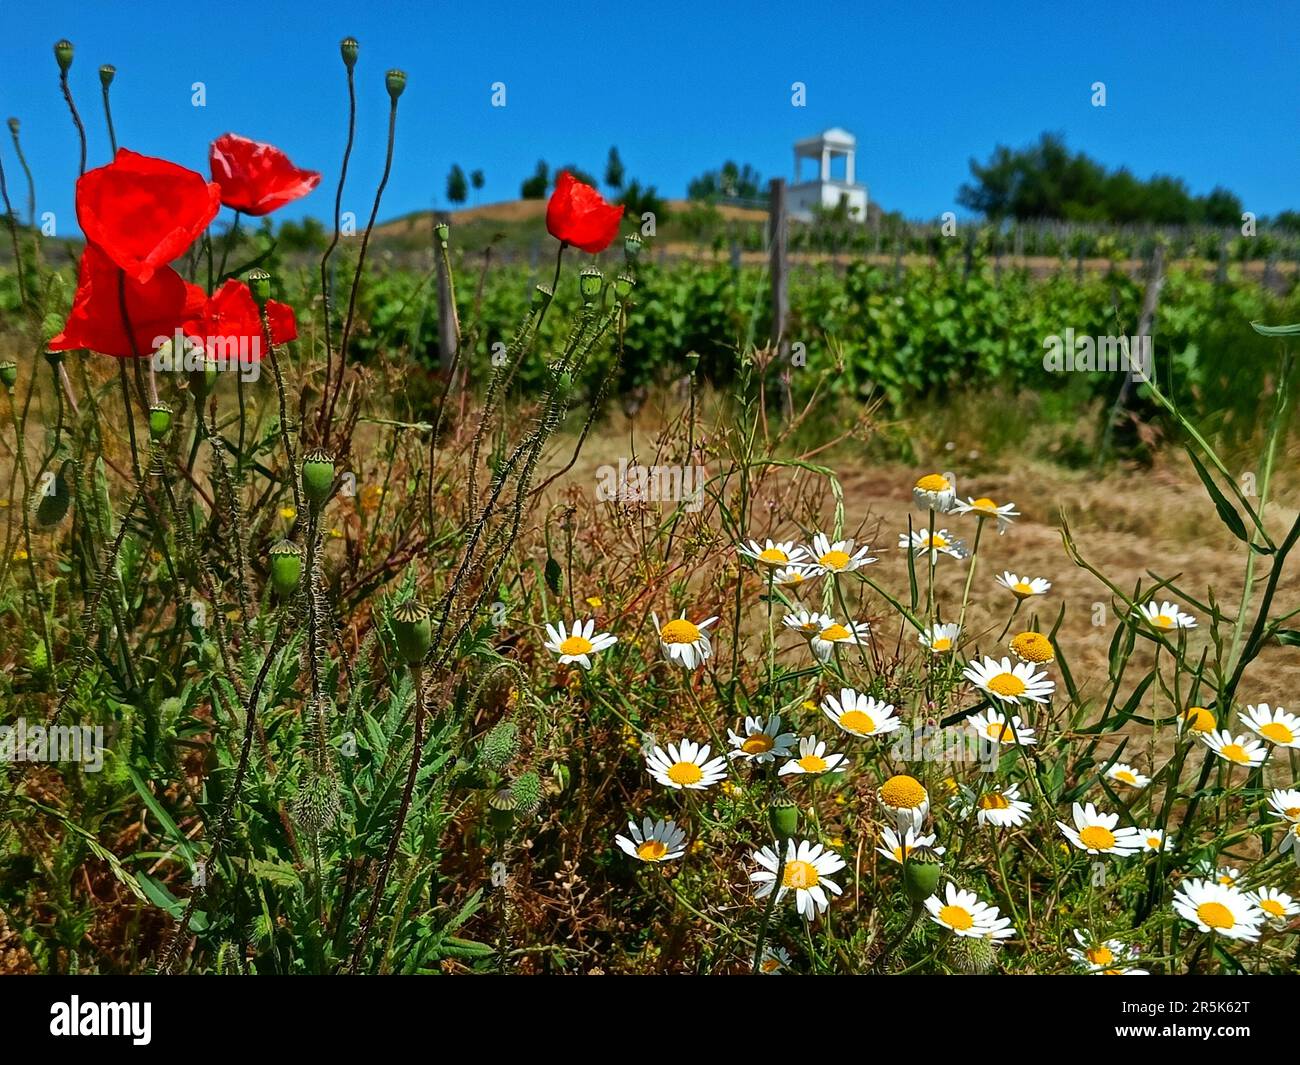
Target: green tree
column 534, row 188
column 730, row 181
column 457, row 185
column 614, row 172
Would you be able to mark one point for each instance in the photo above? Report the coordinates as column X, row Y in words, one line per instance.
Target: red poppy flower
column 577, row 214
column 230, row 325
column 144, row 212
column 256, row 178
column 155, row 309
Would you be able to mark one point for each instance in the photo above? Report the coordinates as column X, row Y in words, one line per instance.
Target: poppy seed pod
column 286, row 566
column 783, row 816
column 8, row 373
column 590, row 282
column 318, row 476
column 160, row 421
column 107, row 73
column 259, row 284
column 501, row 812
column 396, row 82
column 413, row 626
column 203, row 377
column 921, row 874
column 348, row 49
column 63, row 54
column 632, row 247
column 542, row 295
column 623, row 286
column 53, row 505
column 14, row 126
column 442, row 231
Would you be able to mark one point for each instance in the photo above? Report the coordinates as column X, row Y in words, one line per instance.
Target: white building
column 834, row 184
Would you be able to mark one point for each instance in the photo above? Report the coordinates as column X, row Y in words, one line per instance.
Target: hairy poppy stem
column 76, row 119
column 338, row 216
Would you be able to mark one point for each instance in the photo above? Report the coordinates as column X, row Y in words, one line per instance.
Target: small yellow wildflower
column 595, row 602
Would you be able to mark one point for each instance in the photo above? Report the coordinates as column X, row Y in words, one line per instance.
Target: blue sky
column 1206, row 91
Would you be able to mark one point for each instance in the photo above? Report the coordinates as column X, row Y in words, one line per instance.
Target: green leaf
column 1227, row 512
column 554, row 575
column 1276, row 330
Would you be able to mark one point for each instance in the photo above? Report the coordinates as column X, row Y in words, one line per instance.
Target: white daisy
column 813, row 759
column 1240, row 750
column 823, row 632
column 788, row 576
column 994, row 727
column 1126, row 774
column 685, row 642
column 578, row 645
column 654, row 841
column 1215, row 908
column 892, row 847
column 773, row 555
column 940, row 639
column 989, row 509
column 762, row 740
column 1153, row 839
column 906, row 799
column 1196, row 720
column 919, row 542
column 838, row 557
column 859, row 714
column 1009, row 683
column 1275, row 725
column 962, row 913
column 1103, row 955
column 685, row 765
column 935, row 491
column 1096, row 833
column 774, row 960
column 1227, row 876
column 996, row 806
column 1166, row 616
column 808, row 869
column 1291, row 841
column 1277, row 905
column 1023, row 587
column 1286, row 803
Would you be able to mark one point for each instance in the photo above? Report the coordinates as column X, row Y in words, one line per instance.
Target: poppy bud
column 106, row 74
column 501, row 812
column 500, row 745
column 692, row 361
column 259, row 284
column 63, row 54
column 542, row 295
column 160, row 421
column 286, row 566
column 8, row 373
column 623, row 286
column 53, row 505
column 413, row 627
column 783, row 816
column 203, row 377
column 318, row 476
column 396, row 82
column 921, row 874
column 14, row 126
column 590, row 282
column 348, row 49
column 442, row 231
column 632, row 247
column 526, row 790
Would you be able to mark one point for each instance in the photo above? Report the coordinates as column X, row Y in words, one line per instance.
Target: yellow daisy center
column 857, row 721
column 1099, row 955
column 770, row 965
column 941, row 644
column 938, row 540
column 1153, row 842
column 1235, row 752
column 685, row 773
column 957, row 918
column 759, row 743
column 1096, row 838
column 1125, row 777
column 1022, row 588
column 773, row 555
column 652, row 850
column 576, row 645
column 835, row 632
column 800, row 875
column 994, row 800
column 903, row 792
column 1199, row 719
column 679, row 631
column 1277, row 732
column 1272, row 907
column 1215, row 915
column 1007, row 684
column 1000, row 731
column 933, row 482
column 810, row 763
column 1291, row 813
column 1226, row 880
column 1033, row 647
column 1162, row 621
column 985, row 504
column 793, row 577
column 834, row 559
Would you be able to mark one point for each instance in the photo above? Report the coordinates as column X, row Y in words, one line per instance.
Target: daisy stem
column 929, row 587
column 970, row 573
column 771, row 639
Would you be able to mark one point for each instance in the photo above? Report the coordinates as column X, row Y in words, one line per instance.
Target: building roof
column 835, row 137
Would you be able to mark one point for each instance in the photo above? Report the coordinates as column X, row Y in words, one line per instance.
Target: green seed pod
column 348, row 48
column 590, row 282
column 8, row 373
column 52, row 507
column 501, row 813
column 160, row 421
column 542, row 295
column 632, row 247
column 623, row 286
column 63, row 54
column 318, row 476
column 396, row 82
column 203, row 378
column 54, row 358
column 259, row 284
column 921, row 874
column 106, row 74
column 500, row 745
column 14, row 126
column 526, row 789
column 286, row 566
column 442, row 231
column 413, row 626
column 692, row 361
column 783, row 816
column 316, row 806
